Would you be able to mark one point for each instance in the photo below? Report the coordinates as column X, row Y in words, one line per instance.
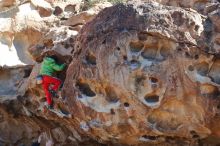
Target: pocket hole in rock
column 71, row 40
column 27, row 72
column 151, row 98
column 91, row 59
column 190, row 68
column 66, row 46
column 196, row 27
column 152, row 138
column 111, row 95
column 136, row 46
column 139, row 80
column 104, row 41
column 187, row 54
column 57, row 11
column 177, row 18
column 126, row 104
column 72, row 51
column 202, row 68
column 142, row 36
column 196, row 56
column 134, row 64
column 112, row 111
column 125, row 57
column 194, row 134
column 63, row 18
column 118, row 48
column 85, row 89
column 149, row 53
column 153, row 80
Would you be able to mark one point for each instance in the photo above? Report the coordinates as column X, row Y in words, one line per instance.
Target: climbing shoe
column 54, row 93
column 49, row 106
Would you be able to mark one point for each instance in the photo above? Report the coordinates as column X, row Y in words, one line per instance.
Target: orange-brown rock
column 140, row 74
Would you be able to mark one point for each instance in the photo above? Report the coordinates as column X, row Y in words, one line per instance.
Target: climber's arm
column 58, row 67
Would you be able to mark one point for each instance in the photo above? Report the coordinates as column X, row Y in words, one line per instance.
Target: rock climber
column 50, row 83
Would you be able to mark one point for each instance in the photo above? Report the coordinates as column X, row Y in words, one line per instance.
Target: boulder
column 136, row 76
column 140, row 73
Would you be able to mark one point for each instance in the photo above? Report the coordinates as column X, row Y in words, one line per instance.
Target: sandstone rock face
column 138, row 76
column 212, row 32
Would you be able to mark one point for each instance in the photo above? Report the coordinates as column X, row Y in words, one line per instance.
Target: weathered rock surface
column 132, row 75
column 212, row 32
column 140, row 74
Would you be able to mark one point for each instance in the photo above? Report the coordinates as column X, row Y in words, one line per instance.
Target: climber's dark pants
column 47, row 81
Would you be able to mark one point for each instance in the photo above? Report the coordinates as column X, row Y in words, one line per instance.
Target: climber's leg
column 56, row 82
column 45, row 84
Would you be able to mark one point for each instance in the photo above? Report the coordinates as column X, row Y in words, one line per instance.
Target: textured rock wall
column 29, row 30
column 139, row 74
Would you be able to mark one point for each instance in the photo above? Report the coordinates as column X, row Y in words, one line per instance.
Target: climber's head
column 53, row 57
